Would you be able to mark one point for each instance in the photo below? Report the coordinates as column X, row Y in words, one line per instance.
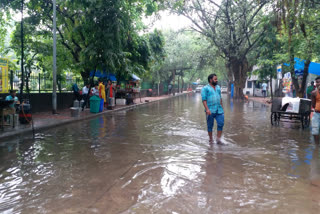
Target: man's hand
column 208, row 112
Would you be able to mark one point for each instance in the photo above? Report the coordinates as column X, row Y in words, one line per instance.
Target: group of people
column 100, row 89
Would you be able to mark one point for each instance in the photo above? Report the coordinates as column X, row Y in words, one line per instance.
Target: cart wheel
column 275, row 119
column 305, row 121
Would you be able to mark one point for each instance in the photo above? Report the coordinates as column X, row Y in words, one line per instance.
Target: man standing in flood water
column 315, row 98
column 212, row 102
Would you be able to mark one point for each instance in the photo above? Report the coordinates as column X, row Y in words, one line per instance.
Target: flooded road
column 157, row 159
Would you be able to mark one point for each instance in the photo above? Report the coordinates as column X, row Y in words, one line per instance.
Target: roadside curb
column 259, row 101
column 28, row 131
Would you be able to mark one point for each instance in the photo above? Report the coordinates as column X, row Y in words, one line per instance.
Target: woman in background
column 102, row 92
column 110, row 90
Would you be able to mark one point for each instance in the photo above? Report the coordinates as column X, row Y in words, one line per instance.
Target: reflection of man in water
column 212, row 101
column 213, row 184
column 315, row 97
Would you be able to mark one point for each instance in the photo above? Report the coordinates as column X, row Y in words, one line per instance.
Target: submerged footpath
column 266, row 100
column 46, row 120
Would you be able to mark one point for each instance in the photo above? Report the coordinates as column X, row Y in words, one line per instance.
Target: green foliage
column 91, row 35
column 187, row 54
column 4, row 25
column 228, row 38
column 268, row 50
column 233, row 27
column 2, row 33
column 158, row 54
column 299, row 35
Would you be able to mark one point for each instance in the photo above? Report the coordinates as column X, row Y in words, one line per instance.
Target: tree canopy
column 93, row 34
column 227, row 38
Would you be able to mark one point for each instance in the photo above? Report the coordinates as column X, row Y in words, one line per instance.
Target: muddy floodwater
column 157, row 159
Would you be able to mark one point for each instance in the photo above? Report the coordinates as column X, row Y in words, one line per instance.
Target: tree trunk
column 182, row 83
column 239, row 69
column 85, row 76
column 230, row 76
column 178, row 84
column 173, row 82
column 280, row 88
column 291, row 53
column 302, row 90
column 271, row 88
column 27, row 78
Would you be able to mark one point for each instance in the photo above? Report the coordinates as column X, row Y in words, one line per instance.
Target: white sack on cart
column 293, row 104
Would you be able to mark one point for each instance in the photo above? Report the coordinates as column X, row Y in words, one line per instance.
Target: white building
column 254, row 86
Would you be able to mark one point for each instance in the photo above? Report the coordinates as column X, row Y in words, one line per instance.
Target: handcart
column 279, row 113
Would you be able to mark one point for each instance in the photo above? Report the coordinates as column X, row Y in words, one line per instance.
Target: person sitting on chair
column 13, row 106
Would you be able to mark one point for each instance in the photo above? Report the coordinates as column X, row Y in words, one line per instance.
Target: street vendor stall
column 129, row 90
column 134, row 84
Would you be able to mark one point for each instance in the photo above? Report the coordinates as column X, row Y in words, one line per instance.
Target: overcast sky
column 171, row 21
column 167, row 21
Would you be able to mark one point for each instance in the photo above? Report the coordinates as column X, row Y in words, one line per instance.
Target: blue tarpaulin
column 104, row 74
column 194, row 83
column 314, row 68
column 112, row 77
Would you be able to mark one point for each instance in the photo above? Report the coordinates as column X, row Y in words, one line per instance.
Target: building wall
column 257, row 92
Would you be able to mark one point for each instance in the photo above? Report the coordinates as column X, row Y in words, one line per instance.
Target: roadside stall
column 128, row 90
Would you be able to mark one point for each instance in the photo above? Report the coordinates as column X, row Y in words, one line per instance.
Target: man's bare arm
column 206, row 107
column 313, row 99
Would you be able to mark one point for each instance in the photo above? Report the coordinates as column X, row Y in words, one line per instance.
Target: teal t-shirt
column 213, row 98
column 9, row 98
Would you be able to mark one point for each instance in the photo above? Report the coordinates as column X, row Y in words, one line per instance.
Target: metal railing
column 42, row 83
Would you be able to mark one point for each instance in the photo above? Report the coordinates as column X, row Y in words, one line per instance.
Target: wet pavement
column 157, row 159
column 45, row 120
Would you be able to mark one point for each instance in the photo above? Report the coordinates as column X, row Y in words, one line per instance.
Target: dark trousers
column 264, row 93
column 77, row 96
column 84, row 97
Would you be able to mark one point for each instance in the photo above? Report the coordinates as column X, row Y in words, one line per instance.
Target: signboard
column 287, row 83
column 4, row 76
column 279, row 72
